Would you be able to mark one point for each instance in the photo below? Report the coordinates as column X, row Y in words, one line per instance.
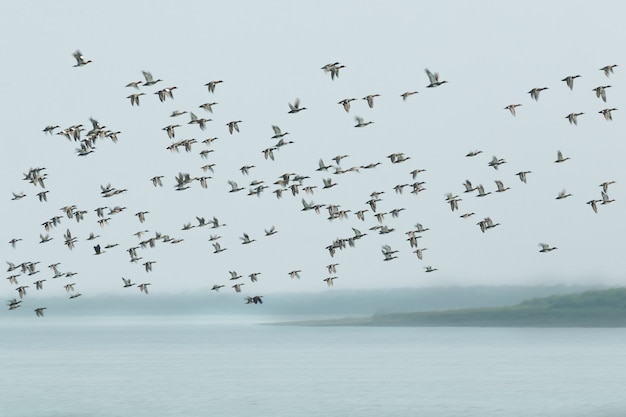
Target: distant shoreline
column 605, row 308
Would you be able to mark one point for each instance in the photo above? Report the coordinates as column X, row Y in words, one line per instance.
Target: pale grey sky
column 270, row 53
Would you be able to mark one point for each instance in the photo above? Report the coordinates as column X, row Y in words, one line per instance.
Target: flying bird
column 511, row 108
column 433, row 79
column 534, row 93
column 80, row 59
column 569, row 80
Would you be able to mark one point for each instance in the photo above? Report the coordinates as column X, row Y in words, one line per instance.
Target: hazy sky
column 270, row 53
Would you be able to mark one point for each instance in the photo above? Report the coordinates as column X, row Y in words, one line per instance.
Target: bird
column 601, row 91
column 44, row 239
column 278, row 133
column 257, row 299
column 370, row 99
column 234, row 275
column 98, row 250
column 39, row 311
column 295, row 107
column 407, row 94
column 246, row 239
column 562, row 194
column 49, row 129
column 134, row 84
column 271, row 231
column 233, row 126
column 496, row 162
column 489, row 224
column 199, row 121
column 134, row 98
column 330, row 281
column 481, row 191
column 569, row 80
column 127, row 282
column 608, row 69
column 593, row 204
column 473, row 153
column 328, row 183
column 148, row 265
column 430, row 268
column 546, row 248
column 294, row 274
column 216, row 287
column 433, row 79
column 212, row 84
column 149, row 79
column 511, row 108
column 605, row 198
column 237, row 287
column 141, row 215
column 165, row 93
column 346, row 103
column 468, row 186
column 605, row 185
column 360, row 122
column 419, row 252
column 573, row 118
column 80, row 59
column 607, row 113
column 144, row 287
column 245, row 170
column 234, row 187
column 169, row 129
column 534, row 93
column 333, row 69
column 207, row 106
column 388, row 253
column 218, row 248
column 501, row 187
column 560, row 158
column 522, row 175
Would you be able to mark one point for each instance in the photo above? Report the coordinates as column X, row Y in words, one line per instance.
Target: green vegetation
column 605, row 308
column 599, row 308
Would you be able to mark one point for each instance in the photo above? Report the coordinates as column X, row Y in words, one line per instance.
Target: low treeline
column 605, row 308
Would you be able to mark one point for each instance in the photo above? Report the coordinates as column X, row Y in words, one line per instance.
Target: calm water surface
column 191, row 366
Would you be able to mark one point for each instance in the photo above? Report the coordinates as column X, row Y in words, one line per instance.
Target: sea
column 238, row 366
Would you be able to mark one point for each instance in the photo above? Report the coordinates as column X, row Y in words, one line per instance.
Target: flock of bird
column 86, row 138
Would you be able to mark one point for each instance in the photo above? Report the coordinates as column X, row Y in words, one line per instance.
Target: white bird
column 608, row 69
column 149, row 79
column 80, row 59
column 295, row 107
column 511, row 108
column 573, row 118
column 246, row 239
column 560, row 158
column 607, row 113
column 434, row 79
column 569, row 80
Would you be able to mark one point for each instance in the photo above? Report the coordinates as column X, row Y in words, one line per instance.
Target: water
column 192, row 366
